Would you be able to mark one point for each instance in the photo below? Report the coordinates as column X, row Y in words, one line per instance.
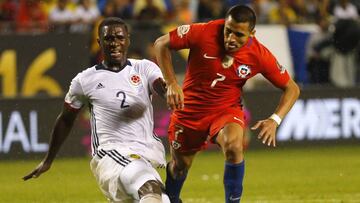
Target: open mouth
column 231, row 46
column 115, row 54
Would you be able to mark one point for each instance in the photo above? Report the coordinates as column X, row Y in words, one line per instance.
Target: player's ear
column 252, row 33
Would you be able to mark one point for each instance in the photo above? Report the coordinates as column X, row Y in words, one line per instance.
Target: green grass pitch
column 327, row 174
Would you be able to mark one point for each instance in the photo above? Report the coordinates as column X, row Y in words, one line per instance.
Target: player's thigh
column 121, row 182
column 184, row 139
column 228, row 127
column 107, row 172
column 230, row 135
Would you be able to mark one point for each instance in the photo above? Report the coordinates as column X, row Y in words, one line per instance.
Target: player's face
column 114, row 41
column 236, row 34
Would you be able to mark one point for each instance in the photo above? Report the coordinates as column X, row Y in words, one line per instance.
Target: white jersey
column 121, row 108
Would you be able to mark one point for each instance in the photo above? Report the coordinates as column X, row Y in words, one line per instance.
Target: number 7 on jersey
column 220, row 78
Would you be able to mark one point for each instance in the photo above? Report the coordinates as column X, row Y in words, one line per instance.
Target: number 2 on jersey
column 122, row 96
column 220, row 78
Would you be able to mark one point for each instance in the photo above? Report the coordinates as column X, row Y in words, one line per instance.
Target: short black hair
column 242, row 14
column 112, row 21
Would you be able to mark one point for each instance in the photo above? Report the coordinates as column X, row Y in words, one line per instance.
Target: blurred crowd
column 333, row 53
column 336, row 43
column 80, row 15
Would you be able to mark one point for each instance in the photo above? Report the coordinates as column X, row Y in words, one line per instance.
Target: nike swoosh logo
column 233, row 199
column 209, row 57
column 238, row 119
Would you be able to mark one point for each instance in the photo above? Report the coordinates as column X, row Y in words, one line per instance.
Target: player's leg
column 106, row 172
column 151, row 192
column 227, row 130
column 230, row 139
column 176, row 173
column 127, row 178
column 142, row 181
column 184, row 144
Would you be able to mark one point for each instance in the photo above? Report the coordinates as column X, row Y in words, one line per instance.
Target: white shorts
column 121, row 175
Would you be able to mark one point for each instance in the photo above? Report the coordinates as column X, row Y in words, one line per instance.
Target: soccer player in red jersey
column 223, row 55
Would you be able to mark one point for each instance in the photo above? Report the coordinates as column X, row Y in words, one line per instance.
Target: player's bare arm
column 63, row 125
column 268, row 126
column 159, row 86
column 174, row 94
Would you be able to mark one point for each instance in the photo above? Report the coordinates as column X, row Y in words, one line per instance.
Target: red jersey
column 214, row 78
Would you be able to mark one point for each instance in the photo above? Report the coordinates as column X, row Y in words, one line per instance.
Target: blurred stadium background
column 45, row 43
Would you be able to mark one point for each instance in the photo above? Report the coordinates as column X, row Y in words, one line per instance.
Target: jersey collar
column 102, row 66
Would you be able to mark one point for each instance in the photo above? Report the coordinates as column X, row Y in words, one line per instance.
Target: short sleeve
column 272, row 70
column 75, row 96
column 185, row 36
column 152, row 73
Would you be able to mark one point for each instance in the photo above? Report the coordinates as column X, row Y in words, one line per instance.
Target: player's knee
column 151, row 187
column 140, row 179
column 234, row 146
column 182, row 163
column 180, row 173
column 233, row 152
column 232, row 143
column 180, row 170
column 152, row 192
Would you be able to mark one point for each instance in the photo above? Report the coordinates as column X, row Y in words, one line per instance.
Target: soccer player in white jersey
column 125, row 150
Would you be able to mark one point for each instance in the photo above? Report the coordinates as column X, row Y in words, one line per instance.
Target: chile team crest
column 182, row 30
column 243, row 71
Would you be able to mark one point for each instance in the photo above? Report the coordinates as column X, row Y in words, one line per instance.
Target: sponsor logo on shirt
column 100, row 86
column 243, row 71
column 182, row 30
column 134, row 156
column 135, row 80
column 209, row 57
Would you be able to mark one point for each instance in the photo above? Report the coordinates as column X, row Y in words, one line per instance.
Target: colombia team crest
column 243, row 71
column 135, row 79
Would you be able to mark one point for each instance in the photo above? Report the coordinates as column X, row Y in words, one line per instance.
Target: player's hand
column 41, row 168
column 267, row 131
column 174, row 96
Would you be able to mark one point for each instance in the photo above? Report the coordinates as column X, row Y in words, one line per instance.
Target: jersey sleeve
column 75, row 96
column 271, row 69
column 185, row 36
column 152, row 73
